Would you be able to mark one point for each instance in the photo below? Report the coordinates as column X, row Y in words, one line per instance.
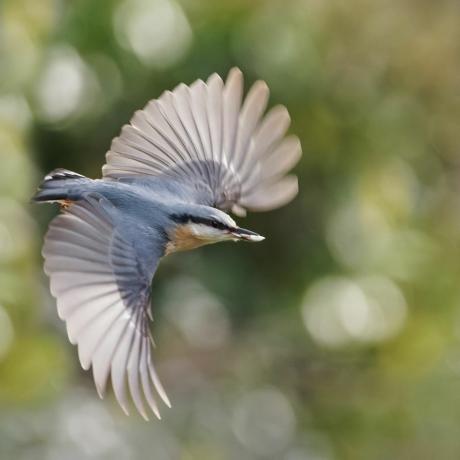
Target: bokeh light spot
column 339, row 311
column 264, row 422
column 6, row 332
column 156, row 31
column 64, row 87
column 198, row 314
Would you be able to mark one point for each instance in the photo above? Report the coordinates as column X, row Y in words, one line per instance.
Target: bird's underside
column 192, row 152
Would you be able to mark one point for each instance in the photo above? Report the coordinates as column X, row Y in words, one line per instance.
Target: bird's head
column 202, row 225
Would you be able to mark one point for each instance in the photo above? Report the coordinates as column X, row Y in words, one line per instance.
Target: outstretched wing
column 103, row 294
column 205, row 135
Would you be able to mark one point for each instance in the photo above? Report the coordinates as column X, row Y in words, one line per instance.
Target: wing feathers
column 205, row 133
column 273, row 195
column 281, row 160
column 214, row 113
column 253, row 108
column 103, row 295
column 270, row 131
column 133, row 375
column 145, row 377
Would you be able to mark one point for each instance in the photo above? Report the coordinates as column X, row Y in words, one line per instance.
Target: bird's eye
column 214, row 223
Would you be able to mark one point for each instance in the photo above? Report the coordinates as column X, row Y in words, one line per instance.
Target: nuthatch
column 185, row 159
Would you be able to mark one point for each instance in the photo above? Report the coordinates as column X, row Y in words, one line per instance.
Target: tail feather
column 60, row 185
column 60, row 174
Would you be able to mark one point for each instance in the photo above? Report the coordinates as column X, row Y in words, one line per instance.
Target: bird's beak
column 247, row 235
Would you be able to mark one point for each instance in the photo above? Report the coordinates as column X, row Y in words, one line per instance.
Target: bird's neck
column 182, row 238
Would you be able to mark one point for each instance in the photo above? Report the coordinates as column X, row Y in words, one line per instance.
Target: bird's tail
column 61, row 185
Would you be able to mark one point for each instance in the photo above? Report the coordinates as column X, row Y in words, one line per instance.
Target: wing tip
column 234, row 72
column 282, row 112
column 100, row 383
column 288, row 188
column 260, row 92
column 84, row 363
column 100, row 390
column 235, row 80
column 120, row 395
column 214, row 78
column 238, row 210
column 295, row 141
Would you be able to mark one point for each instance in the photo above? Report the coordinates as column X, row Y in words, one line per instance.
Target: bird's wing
column 207, row 136
column 102, row 289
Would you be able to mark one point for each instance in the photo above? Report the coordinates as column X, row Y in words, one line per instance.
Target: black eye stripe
column 219, row 225
column 184, row 218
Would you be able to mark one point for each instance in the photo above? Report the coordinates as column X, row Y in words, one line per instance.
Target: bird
column 171, row 179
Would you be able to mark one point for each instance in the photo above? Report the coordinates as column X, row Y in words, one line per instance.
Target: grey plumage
column 184, row 159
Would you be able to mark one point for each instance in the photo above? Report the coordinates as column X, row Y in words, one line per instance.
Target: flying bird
column 170, row 179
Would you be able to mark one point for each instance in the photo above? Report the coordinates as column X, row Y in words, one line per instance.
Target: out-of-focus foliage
column 338, row 337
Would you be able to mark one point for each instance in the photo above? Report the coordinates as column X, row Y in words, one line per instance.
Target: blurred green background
column 339, row 336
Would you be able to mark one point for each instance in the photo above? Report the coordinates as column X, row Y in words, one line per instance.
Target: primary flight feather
column 185, row 159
